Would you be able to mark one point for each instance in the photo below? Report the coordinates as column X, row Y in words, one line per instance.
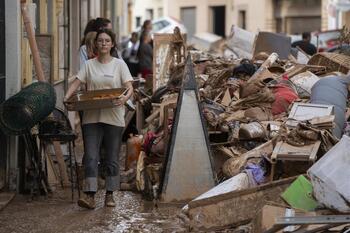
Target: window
column 149, row 14
column 160, row 12
column 242, row 19
column 138, row 21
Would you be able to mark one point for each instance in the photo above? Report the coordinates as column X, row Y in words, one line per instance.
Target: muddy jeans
column 93, row 135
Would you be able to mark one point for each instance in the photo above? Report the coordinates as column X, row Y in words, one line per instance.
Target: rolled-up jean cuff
column 112, row 183
column 90, row 184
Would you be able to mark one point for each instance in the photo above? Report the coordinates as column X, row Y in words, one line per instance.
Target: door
column 188, row 18
column 219, row 23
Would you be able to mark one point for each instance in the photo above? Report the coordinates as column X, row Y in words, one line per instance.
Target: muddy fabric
column 332, row 91
column 284, row 96
column 264, row 98
column 251, row 88
column 305, row 135
column 93, row 135
column 302, row 137
column 211, row 112
column 258, row 113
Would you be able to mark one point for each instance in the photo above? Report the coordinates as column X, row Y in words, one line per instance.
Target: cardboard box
column 97, row 99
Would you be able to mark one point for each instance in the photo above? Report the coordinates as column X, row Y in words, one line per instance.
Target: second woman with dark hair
column 102, row 125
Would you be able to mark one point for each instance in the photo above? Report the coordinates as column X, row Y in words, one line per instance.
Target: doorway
column 219, row 20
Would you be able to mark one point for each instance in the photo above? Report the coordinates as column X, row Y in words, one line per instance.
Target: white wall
column 259, row 14
column 140, row 7
column 203, row 12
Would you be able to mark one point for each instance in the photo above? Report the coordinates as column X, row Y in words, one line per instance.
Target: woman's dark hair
column 145, row 23
column 90, row 27
column 93, row 26
column 111, row 35
column 101, row 23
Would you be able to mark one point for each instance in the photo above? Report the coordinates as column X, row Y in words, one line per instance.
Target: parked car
column 166, row 25
column 161, row 25
column 326, row 39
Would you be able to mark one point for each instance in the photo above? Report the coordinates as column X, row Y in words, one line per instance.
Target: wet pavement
column 59, row 214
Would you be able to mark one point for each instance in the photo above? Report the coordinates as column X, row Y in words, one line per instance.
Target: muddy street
column 59, row 214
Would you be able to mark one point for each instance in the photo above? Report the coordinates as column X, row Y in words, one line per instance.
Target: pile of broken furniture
column 258, row 144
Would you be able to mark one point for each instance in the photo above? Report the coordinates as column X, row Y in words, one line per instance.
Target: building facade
column 335, row 14
column 142, row 10
column 217, row 16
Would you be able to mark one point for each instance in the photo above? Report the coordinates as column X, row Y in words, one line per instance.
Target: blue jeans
column 93, row 135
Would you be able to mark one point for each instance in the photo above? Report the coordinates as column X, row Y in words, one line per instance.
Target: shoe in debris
column 109, row 200
column 87, row 201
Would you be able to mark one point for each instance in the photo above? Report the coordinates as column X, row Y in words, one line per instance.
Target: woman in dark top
column 145, row 55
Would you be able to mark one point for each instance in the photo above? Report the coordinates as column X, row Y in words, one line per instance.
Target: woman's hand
column 120, row 101
column 67, row 104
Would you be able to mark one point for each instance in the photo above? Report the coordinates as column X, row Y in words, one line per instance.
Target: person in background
column 146, row 29
column 102, row 125
column 91, row 49
column 305, row 44
column 145, row 55
column 130, row 54
column 147, row 26
column 92, row 26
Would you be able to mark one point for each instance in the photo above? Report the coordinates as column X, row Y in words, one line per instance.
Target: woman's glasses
column 101, row 41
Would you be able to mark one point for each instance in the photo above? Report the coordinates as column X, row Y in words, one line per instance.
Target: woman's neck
column 104, row 58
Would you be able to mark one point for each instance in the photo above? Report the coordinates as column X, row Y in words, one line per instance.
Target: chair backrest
column 61, row 116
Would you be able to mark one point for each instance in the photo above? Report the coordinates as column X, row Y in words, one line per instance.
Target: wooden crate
column 97, row 99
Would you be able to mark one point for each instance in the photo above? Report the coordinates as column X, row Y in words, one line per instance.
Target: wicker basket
column 332, row 62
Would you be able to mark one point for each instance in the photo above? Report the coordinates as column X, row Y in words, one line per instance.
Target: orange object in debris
column 133, row 149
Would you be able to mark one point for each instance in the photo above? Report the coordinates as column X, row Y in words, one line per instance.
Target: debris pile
column 276, row 130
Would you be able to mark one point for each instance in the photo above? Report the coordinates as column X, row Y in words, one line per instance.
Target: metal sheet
column 189, row 169
column 234, row 208
column 272, row 42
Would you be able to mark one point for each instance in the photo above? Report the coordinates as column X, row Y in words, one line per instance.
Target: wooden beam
column 61, row 164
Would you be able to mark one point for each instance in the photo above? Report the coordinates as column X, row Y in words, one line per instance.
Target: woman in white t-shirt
column 106, row 124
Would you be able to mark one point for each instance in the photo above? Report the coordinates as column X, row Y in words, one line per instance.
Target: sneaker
column 88, row 201
column 109, row 200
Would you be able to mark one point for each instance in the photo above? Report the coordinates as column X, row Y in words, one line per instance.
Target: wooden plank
column 61, row 164
column 153, row 116
column 226, row 100
column 285, row 151
column 128, row 116
column 52, row 176
column 234, row 208
column 139, row 117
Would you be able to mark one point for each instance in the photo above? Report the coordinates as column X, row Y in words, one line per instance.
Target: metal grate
column 25, row 109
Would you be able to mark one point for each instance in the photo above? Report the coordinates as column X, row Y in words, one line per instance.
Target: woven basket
column 332, row 62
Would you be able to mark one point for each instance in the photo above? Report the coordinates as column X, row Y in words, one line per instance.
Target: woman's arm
column 73, row 87
column 130, row 88
column 122, row 100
